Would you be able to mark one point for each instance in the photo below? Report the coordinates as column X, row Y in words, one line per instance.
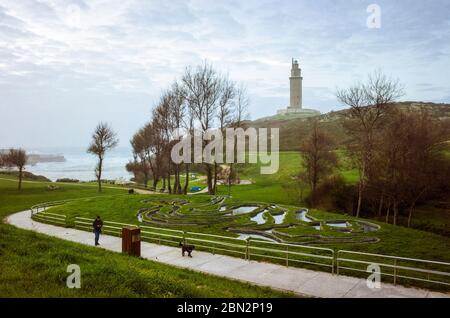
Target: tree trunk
column 395, row 212
column 230, row 173
column 411, row 209
column 360, row 190
column 145, row 179
column 175, row 180
column 20, row 177
column 215, row 178
column 99, row 174
column 145, row 171
column 388, row 212
column 169, row 187
column 209, row 177
column 413, row 205
column 180, row 190
column 358, row 206
column 380, row 206
column 186, row 182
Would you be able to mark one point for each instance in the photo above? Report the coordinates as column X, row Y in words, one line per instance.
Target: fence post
column 333, row 255
column 247, row 253
column 395, row 272
column 287, row 255
column 337, row 263
column 184, row 237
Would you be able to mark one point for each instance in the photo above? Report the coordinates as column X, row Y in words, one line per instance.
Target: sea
column 81, row 165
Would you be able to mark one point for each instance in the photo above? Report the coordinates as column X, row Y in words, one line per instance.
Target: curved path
column 296, row 280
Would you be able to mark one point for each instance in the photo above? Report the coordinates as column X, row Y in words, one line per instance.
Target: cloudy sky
column 66, row 65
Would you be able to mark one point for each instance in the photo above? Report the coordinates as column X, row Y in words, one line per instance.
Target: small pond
column 259, row 218
column 339, row 224
column 244, row 236
column 279, row 218
column 367, row 227
column 301, row 215
column 244, row 209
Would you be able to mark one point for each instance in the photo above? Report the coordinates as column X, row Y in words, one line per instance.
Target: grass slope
column 394, row 240
column 34, row 265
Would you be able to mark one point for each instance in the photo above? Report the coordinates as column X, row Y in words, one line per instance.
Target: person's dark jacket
column 97, row 225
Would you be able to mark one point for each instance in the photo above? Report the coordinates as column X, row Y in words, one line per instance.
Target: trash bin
column 131, row 240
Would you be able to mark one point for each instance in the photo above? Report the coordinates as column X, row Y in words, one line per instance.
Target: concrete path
column 296, row 280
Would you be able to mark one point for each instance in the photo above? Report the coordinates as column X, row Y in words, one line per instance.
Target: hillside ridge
column 293, row 127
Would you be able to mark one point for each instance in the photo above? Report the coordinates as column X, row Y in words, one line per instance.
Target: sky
column 67, row 65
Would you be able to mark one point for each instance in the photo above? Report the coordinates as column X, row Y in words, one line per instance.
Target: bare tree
column 408, row 162
column 103, row 139
column 15, row 158
column 164, row 124
column 202, row 99
column 225, row 116
column 240, row 114
column 369, row 103
column 140, row 164
column 177, row 109
column 152, row 151
column 319, row 158
column 241, row 107
column 203, row 90
column 189, row 126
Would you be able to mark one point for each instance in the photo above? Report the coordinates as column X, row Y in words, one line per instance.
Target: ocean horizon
column 81, row 165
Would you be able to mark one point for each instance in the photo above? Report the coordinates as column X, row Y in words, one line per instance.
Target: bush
column 334, row 194
column 67, row 180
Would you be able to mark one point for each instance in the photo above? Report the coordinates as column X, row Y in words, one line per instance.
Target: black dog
column 186, row 248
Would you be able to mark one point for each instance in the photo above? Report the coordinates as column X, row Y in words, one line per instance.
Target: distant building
column 296, row 92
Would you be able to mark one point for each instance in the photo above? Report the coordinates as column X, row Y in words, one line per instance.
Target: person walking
column 97, row 225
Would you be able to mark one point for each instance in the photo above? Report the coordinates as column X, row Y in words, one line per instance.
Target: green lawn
column 280, row 186
column 394, row 240
column 34, row 265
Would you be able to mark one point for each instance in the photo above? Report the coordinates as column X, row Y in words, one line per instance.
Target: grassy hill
column 294, row 127
column 34, row 265
column 394, row 240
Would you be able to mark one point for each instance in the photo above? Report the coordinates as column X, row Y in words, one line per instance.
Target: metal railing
column 340, row 262
column 108, row 226
column 38, row 208
column 47, row 217
column 395, row 267
column 293, row 254
column 248, row 249
column 218, row 243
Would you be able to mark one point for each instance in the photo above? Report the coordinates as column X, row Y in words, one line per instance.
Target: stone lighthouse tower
column 296, row 87
column 295, row 103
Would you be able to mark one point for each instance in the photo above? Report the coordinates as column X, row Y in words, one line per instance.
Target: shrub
column 67, row 180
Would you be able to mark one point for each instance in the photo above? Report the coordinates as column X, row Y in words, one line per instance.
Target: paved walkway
column 296, row 280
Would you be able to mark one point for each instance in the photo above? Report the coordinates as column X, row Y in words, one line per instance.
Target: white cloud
column 122, row 53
